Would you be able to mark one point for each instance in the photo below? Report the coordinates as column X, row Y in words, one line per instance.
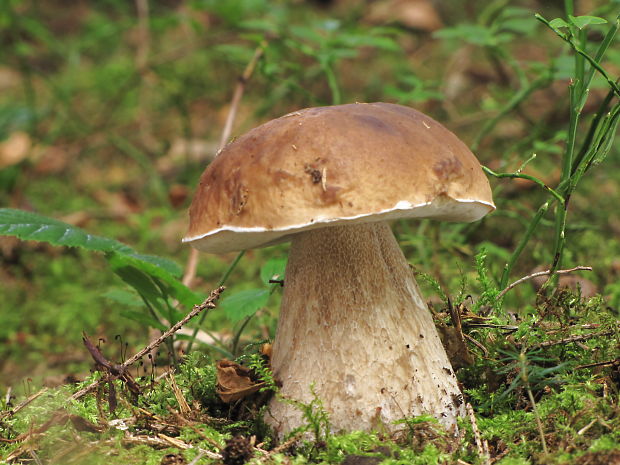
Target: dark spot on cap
column 315, row 174
column 448, row 169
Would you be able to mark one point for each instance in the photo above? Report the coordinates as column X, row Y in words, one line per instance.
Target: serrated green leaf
column 34, row 227
column 583, row 21
column 273, row 269
column 244, row 303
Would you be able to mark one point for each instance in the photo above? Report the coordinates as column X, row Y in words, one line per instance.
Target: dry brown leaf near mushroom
column 353, row 323
column 234, row 381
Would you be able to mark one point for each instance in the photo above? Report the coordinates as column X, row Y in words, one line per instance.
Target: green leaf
column 273, row 269
column 143, row 319
column 141, row 282
column 558, row 23
column 472, row 33
column 123, row 297
column 583, row 21
column 244, row 303
column 234, row 53
column 159, row 262
column 34, row 227
column 175, row 288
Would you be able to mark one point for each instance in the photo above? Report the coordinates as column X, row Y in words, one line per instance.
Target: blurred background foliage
column 111, row 109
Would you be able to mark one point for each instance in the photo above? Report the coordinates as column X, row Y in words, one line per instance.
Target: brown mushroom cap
column 335, row 165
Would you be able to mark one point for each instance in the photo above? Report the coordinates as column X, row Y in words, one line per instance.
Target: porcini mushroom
column 353, row 323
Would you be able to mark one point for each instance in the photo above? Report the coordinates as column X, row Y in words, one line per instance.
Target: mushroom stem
column 353, row 324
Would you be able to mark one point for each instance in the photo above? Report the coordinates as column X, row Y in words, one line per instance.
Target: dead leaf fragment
column 14, row 149
column 234, row 381
column 415, row 14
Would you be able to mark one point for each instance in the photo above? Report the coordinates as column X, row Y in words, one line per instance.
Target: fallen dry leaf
column 52, row 159
column 234, row 381
column 14, row 149
column 416, row 14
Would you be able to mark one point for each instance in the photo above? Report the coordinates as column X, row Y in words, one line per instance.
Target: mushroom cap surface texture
column 337, row 165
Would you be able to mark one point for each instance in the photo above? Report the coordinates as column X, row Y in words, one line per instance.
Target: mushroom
column 354, row 330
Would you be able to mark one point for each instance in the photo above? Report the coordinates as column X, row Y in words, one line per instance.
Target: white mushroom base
column 354, row 325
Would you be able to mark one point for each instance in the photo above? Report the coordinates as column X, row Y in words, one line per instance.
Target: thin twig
column 178, row 395
column 576, row 338
column 208, row 304
column 483, row 451
column 190, row 267
column 161, row 440
column 599, row 364
column 200, row 455
column 144, row 39
column 238, row 93
column 541, row 273
column 7, row 396
column 477, row 344
column 587, row 427
column 35, row 457
column 23, row 403
column 192, row 261
column 285, row 445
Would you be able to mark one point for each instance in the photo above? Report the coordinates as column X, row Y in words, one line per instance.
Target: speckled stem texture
column 353, row 324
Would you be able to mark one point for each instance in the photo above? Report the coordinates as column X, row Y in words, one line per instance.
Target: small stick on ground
column 178, row 395
column 482, row 446
column 285, row 445
column 200, row 455
column 599, row 364
column 540, row 273
column 477, row 344
column 208, row 304
column 23, row 404
column 577, row 338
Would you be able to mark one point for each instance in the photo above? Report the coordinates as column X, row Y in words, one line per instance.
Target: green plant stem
column 237, row 337
column 223, row 280
column 332, row 82
column 535, row 180
column 578, row 93
column 231, row 268
column 581, row 52
column 521, row 95
column 541, row 431
column 567, row 163
column 168, row 341
column 522, row 243
column 592, row 131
